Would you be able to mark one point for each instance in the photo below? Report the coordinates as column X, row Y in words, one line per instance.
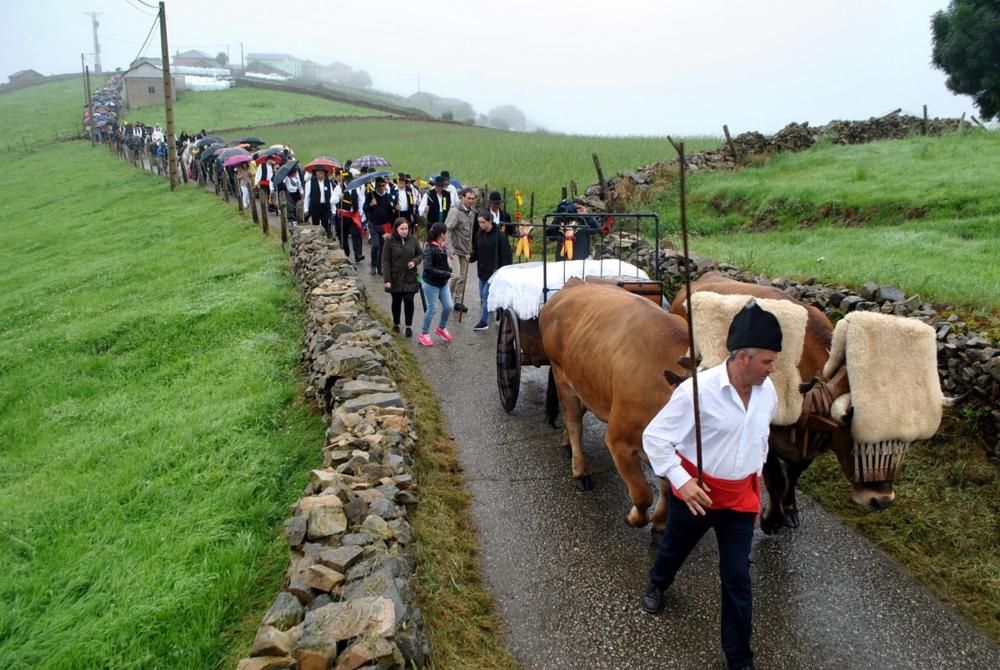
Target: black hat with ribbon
column 754, row 327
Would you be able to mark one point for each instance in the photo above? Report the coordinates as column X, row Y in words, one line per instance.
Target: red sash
column 353, row 216
column 739, row 495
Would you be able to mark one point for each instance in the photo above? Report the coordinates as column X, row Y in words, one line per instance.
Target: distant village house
column 195, row 58
column 286, row 64
column 144, row 85
column 25, row 77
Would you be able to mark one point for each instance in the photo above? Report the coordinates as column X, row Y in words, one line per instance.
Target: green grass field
column 242, row 107
column 539, row 162
column 922, row 213
column 151, row 432
column 43, row 114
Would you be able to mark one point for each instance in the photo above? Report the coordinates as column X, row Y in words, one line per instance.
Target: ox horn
column 951, row 402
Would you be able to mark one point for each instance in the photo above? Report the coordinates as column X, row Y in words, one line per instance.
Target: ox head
column 871, row 467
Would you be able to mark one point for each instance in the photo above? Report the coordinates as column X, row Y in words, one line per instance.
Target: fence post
column 564, row 193
column 729, row 141
column 280, row 198
column 265, row 227
column 531, row 210
column 923, row 124
column 600, row 179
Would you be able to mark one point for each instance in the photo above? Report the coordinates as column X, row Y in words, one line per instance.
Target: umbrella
column 251, row 139
column 365, row 178
column 264, row 153
column 239, row 159
column 226, row 154
column 210, row 151
column 325, row 162
column 370, row 161
column 285, row 170
column 208, row 139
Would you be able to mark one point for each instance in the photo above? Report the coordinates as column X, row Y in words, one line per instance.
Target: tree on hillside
column 222, row 58
column 360, row 79
column 966, row 47
column 508, row 117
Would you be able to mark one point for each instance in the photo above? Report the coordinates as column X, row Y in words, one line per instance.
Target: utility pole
column 90, row 102
column 97, row 45
column 83, row 73
column 168, row 99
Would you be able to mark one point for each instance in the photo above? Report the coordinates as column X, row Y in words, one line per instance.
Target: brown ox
column 609, row 352
column 793, row 448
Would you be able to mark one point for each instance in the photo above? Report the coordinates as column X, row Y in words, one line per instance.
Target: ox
column 615, row 354
column 825, row 422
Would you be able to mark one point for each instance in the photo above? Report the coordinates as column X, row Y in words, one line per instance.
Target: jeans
column 734, row 533
column 433, row 294
column 484, row 294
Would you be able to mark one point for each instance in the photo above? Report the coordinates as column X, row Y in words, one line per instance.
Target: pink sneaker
column 425, row 339
column 443, row 333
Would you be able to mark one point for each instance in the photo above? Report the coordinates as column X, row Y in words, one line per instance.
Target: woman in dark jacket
column 401, row 254
column 437, row 272
column 490, row 251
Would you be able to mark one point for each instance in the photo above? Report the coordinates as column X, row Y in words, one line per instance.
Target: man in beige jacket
column 460, row 222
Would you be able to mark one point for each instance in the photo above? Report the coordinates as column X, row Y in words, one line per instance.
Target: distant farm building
column 195, row 58
column 289, row 65
column 144, row 85
column 26, row 78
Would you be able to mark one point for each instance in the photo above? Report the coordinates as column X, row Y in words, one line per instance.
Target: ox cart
column 518, row 292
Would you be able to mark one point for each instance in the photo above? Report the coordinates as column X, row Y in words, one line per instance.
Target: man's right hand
column 695, row 497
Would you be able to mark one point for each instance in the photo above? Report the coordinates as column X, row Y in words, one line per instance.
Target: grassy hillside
column 43, row 114
column 537, row 162
column 150, row 434
column 240, row 107
column 922, row 213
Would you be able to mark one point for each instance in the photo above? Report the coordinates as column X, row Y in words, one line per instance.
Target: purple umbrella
column 233, row 161
column 370, row 161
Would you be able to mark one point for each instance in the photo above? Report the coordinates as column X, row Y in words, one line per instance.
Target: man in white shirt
column 737, row 403
column 318, row 199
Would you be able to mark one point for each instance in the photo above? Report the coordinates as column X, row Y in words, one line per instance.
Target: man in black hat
column 501, row 218
column 434, row 205
column 380, row 208
column 737, row 403
column 318, row 199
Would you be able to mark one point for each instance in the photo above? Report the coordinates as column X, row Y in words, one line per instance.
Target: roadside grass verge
column 944, row 525
column 460, row 617
column 151, row 434
column 43, row 114
column 921, row 213
column 241, row 107
column 539, row 162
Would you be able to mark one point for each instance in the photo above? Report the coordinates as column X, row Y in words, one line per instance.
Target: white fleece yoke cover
column 892, row 372
column 714, row 312
column 519, row 287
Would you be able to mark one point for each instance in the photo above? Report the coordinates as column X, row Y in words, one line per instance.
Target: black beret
column 754, row 327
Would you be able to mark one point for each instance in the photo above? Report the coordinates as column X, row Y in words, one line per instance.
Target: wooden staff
column 691, row 363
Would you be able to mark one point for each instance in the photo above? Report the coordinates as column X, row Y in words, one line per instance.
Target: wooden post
column 531, row 209
column 239, row 197
column 226, row 185
column 265, row 227
column 729, row 141
column 572, row 187
column 692, row 362
column 281, row 216
column 168, row 102
column 974, row 120
column 600, row 179
column 253, row 204
column 923, row 124
column 564, row 193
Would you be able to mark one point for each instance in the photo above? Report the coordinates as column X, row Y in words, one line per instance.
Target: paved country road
column 567, row 572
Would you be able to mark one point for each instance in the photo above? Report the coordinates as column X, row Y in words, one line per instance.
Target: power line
column 148, row 5
column 138, row 9
column 146, row 41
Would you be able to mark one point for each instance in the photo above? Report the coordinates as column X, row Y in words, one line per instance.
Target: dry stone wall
column 968, row 362
column 632, row 186
column 347, row 599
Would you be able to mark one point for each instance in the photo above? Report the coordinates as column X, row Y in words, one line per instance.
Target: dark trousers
column 734, row 533
column 375, row 235
column 349, row 234
column 291, row 206
column 321, row 216
column 406, row 301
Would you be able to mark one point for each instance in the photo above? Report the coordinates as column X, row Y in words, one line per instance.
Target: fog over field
column 575, row 66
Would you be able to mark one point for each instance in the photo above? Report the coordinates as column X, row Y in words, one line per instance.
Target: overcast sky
column 623, row 67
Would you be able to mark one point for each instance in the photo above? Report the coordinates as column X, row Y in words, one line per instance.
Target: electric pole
column 90, row 102
column 168, row 99
column 97, row 45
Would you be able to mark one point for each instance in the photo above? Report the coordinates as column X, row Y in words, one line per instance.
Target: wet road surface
column 567, row 572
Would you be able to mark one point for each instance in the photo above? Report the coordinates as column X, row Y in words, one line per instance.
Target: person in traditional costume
column 318, row 199
column 737, row 403
column 349, row 227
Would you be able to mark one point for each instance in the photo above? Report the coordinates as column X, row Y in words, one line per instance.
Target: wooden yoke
column 690, row 363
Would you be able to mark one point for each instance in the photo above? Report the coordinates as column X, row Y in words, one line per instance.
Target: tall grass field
column 151, row 434
column 43, row 114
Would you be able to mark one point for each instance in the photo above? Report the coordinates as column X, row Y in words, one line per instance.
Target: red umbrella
column 324, row 162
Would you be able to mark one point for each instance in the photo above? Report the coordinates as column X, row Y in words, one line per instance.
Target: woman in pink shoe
column 436, row 274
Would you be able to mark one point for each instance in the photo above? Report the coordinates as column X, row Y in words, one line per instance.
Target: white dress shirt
column 734, row 437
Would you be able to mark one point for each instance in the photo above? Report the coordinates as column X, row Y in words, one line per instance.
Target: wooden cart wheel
column 508, row 360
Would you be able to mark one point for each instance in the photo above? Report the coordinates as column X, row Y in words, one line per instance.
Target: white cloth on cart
column 520, row 287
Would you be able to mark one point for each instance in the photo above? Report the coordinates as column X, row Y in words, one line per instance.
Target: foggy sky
column 629, row 67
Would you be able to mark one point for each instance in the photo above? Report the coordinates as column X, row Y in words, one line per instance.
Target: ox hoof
column 769, row 525
column 791, row 518
column 584, row 483
column 567, row 451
